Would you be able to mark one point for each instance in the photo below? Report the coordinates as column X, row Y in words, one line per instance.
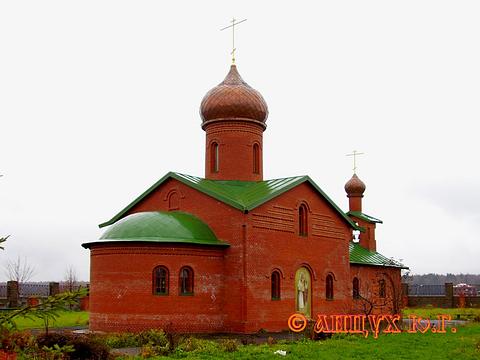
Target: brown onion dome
column 233, row 99
column 355, row 186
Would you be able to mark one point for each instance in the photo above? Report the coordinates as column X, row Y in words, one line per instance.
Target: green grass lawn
column 66, row 319
column 456, row 313
column 464, row 344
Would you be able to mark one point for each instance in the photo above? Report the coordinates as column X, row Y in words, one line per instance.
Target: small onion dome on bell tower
column 355, row 189
column 233, row 99
column 355, row 186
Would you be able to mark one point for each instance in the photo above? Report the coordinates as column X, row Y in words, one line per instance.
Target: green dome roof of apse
column 160, row 227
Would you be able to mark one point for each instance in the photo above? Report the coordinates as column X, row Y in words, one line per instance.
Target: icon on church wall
column 303, row 291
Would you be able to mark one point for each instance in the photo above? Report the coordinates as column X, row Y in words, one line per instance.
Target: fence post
column 53, row 288
column 405, row 294
column 12, row 294
column 449, row 295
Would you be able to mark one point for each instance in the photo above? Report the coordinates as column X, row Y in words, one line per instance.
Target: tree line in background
column 440, row 279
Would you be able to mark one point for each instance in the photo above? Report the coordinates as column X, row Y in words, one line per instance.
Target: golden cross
column 355, row 154
column 234, row 22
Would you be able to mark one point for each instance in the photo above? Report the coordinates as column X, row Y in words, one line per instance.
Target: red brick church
column 232, row 252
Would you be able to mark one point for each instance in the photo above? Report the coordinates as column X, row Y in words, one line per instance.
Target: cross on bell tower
column 234, row 118
column 234, row 23
column 355, row 153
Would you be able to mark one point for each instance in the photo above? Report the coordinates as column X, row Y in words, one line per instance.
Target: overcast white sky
column 99, row 99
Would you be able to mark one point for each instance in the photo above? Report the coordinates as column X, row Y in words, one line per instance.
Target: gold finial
column 234, row 22
column 355, row 154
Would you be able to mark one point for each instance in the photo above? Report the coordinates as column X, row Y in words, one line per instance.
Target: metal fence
column 432, row 290
column 40, row 289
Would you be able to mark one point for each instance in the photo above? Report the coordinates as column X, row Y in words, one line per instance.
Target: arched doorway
column 303, row 292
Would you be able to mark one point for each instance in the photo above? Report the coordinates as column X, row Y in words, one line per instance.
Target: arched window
column 356, row 288
column 329, row 287
column 381, row 288
column 160, row 280
column 275, row 285
column 214, row 161
column 173, row 201
column 186, row 281
column 256, row 159
column 302, row 220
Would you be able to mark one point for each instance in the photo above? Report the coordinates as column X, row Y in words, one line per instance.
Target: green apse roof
column 360, row 255
column 242, row 195
column 365, row 217
column 160, row 227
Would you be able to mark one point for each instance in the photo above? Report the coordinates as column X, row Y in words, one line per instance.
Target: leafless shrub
column 71, row 279
column 19, row 270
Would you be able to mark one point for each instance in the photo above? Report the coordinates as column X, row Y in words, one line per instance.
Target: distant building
column 465, row 289
column 233, row 252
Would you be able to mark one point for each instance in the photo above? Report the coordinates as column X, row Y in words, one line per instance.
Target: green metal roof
column 362, row 256
column 365, row 217
column 159, row 226
column 242, row 195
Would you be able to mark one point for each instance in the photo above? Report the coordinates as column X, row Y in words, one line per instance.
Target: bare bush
column 71, row 279
column 19, row 270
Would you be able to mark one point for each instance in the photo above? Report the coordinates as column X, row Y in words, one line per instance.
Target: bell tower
column 233, row 117
column 355, row 189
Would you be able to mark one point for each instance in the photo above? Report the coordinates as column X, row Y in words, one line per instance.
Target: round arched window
column 160, row 280
column 329, row 287
column 186, row 281
column 275, row 285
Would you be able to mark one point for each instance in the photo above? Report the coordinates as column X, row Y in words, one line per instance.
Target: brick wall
column 235, row 140
column 227, row 223
column 121, row 293
column 369, row 279
column 273, row 242
column 232, row 285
